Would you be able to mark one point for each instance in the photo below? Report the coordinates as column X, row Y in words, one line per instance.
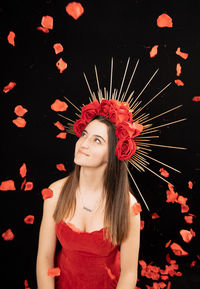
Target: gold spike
column 145, row 86
column 143, row 132
column 128, row 100
column 136, row 164
column 135, row 106
column 140, row 109
column 163, row 146
column 145, row 137
column 176, row 107
column 72, row 104
column 123, row 78
column 87, row 83
column 162, row 163
column 66, row 117
column 97, row 79
column 137, row 187
column 142, row 118
column 166, row 124
column 111, row 77
column 131, row 78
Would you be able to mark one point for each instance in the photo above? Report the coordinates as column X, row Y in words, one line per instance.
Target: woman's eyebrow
column 100, row 137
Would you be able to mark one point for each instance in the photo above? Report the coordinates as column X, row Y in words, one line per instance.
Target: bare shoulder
column 133, row 200
column 56, row 187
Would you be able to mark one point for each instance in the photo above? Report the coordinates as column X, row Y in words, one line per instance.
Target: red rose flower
column 90, row 110
column 79, row 126
column 104, row 108
column 124, row 113
column 124, row 130
column 125, row 148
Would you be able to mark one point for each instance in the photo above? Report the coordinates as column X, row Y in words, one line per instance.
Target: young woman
column 91, row 213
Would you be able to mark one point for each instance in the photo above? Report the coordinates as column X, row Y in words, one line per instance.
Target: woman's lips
column 81, row 152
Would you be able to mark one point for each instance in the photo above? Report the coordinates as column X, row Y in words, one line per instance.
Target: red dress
column 86, row 260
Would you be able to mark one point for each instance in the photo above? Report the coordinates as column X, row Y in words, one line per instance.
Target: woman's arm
column 47, row 241
column 129, row 252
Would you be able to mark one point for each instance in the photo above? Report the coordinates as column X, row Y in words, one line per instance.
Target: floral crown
column 134, row 128
column 120, row 114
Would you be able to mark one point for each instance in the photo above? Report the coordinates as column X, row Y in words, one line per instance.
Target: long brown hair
column 116, row 192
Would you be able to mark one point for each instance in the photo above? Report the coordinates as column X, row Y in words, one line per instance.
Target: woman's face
column 91, row 149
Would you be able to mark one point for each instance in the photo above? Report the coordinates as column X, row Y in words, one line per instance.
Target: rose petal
column 179, row 82
column 188, row 219
column 8, row 235
column 190, row 185
column 59, row 105
column 74, row 9
column 155, row 216
column 186, row 235
column 53, row 271
column 111, row 275
column 164, row 20
column 154, row 51
column 8, row 185
column 184, row 208
column 178, row 250
column 28, row 186
column 178, row 69
column 47, row 22
column 19, row 122
column 196, row 98
column 43, row 29
column 58, row 48
column 181, row 54
column 8, row 87
column 47, row 193
column 59, row 125
column 61, row 65
column 164, row 173
column 23, row 183
column 23, row 170
column 29, row 219
column 11, row 38
column 62, row 135
column 136, row 208
column 167, row 244
column 181, row 200
column 193, row 263
column 61, row 167
column 141, row 225
column 20, row 110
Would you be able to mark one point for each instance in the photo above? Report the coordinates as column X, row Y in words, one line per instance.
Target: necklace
column 86, row 208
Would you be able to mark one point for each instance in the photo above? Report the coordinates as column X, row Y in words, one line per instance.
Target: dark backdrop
column 107, row 29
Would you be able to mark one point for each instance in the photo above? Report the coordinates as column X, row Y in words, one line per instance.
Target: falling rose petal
column 28, row 186
column 61, row 65
column 186, row 235
column 168, row 285
column 192, row 232
column 47, row 22
column 23, row 183
column 23, row 170
column 8, row 185
column 181, row 200
column 171, row 196
column 59, row 105
column 19, row 122
column 29, row 219
column 136, row 208
column 179, row 82
column 164, row 20
column 163, row 277
column 62, row 135
column 141, row 225
column 178, row 250
column 184, row 208
column 8, row 87
column 11, row 38
column 188, row 219
column 167, row 244
column 181, row 54
column 196, row 98
column 193, row 263
column 155, row 216
column 54, row 272
column 154, row 51
column 43, row 29
column 74, row 9
column 47, row 193
column 178, row 69
column 8, row 235
column 190, row 185
column 26, row 284
column 164, row 173
column 58, row 48
column 20, row 110
column 59, row 125
column 61, row 167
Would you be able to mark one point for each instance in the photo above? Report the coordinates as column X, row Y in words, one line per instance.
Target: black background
column 118, row 29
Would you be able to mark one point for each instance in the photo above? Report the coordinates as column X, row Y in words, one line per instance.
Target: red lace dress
column 86, row 260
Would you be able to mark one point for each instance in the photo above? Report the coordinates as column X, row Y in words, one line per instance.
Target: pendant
column 85, row 208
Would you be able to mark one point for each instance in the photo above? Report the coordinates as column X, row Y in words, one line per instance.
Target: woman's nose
column 85, row 143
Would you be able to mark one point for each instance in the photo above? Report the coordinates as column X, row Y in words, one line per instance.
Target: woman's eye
column 83, row 133
column 97, row 140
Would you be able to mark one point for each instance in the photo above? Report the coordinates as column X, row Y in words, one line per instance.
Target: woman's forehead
column 98, row 128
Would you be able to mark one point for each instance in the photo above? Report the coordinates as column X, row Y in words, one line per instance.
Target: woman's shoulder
column 133, row 200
